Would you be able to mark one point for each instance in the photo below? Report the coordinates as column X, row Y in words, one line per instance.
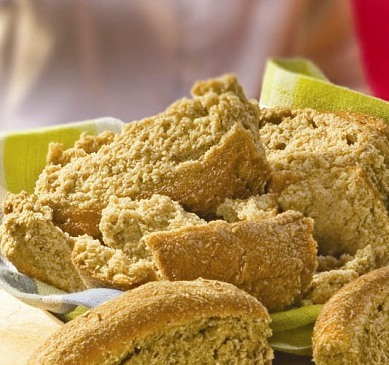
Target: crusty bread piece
column 300, row 141
column 353, row 326
column 124, row 260
column 189, row 152
column 307, row 150
column 37, row 248
column 327, row 281
column 348, row 212
column 198, row 322
column 333, row 168
column 272, row 259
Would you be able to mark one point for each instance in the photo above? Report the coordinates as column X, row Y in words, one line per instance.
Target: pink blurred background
column 63, row 61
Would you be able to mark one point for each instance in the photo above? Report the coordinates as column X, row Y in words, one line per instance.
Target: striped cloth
column 292, row 83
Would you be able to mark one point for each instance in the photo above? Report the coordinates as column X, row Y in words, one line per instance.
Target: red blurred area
column 372, row 27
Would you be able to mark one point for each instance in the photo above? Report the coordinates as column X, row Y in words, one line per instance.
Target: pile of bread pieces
column 209, row 216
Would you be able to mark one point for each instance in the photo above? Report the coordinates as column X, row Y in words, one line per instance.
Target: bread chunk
column 326, row 282
column 37, row 248
column 125, row 221
column 308, row 150
column 353, row 326
column 124, row 261
column 272, row 259
column 334, row 169
column 299, row 142
column 198, row 322
column 104, row 267
column 198, row 152
column 347, row 210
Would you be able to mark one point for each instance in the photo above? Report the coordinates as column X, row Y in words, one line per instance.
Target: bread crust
column 106, row 334
column 272, row 259
column 343, row 328
column 188, row 153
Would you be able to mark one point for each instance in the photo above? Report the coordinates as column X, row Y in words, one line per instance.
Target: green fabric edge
column 295, row 342
column 29, row 149
column 294, row 318
column 298, row 83
column 292, row 329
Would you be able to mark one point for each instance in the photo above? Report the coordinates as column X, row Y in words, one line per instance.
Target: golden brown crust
column 272, row 259
column 352, row 328
column 106, row 334
column 187, row 152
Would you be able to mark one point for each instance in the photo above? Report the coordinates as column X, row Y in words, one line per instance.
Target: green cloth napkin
column 292, row 330
column 298, row 83
column 23, row 154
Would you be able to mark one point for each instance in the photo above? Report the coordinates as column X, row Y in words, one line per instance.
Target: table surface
column 23, row 328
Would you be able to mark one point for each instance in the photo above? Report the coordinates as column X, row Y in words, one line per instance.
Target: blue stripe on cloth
column 26, row 289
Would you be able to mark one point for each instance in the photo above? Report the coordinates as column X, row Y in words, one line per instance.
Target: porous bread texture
column 304, row 143
column 188, row 153
column 38, row 248
column 100, row 266
column 186, row 249
column 124, row 260
column 298, row 142
column 254, row 208
column 125, row 221
column 338, row 272
column 347, row 210
column 193, row 322
column 272, row 259
column 334, row 169
column 353, row 326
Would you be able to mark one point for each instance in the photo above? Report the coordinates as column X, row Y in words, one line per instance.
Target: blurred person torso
column 63, row 61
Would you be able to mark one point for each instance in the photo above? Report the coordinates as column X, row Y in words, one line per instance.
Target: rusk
column 353, row 326
column 198, row 322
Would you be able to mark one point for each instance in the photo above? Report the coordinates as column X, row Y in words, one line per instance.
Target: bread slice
column 198, row 322
column 272, row 259
column 347, row 210
column 329, row 279
column 353, row 326
column 101, row 266
column 308, row 150
column 37, row 248
column 198, row 152
column 299, row 142
column 125, row 221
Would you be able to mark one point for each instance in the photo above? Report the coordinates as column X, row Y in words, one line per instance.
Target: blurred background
column 70, row 60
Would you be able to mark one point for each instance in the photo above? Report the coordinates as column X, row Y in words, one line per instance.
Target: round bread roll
column 192, row 322
column 353, row 326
